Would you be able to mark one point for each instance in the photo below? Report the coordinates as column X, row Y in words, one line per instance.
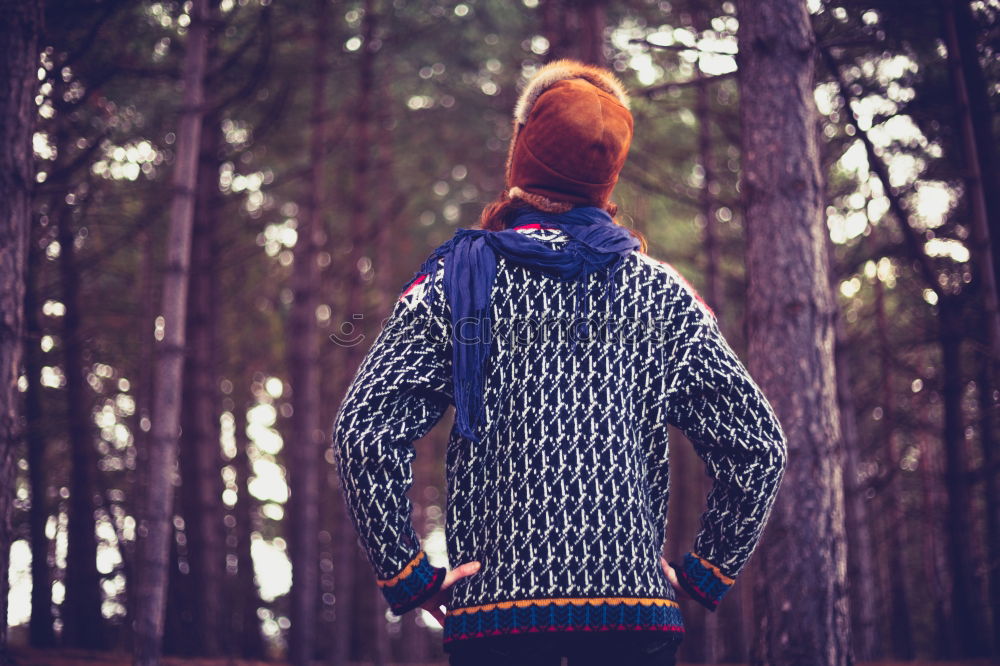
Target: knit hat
column 572, row 131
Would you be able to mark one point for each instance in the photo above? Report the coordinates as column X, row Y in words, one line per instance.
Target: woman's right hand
column 434, row 604
column 672, row 577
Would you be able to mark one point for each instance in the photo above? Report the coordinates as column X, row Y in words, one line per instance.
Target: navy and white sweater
column 564, row 501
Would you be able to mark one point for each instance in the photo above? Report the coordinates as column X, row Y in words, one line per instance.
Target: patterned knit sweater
column 564, row 502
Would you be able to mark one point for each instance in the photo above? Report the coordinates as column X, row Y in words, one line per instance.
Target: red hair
column 498, row 214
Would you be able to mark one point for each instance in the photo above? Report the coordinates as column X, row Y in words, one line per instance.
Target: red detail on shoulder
column 413, row 284
column 534, row 225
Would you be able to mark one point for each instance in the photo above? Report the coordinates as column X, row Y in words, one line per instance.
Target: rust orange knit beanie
column 572, row 131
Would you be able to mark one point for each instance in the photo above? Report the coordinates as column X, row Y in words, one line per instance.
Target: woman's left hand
column 434, row 604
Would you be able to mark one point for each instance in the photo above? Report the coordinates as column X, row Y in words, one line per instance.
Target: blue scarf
column 596, row 243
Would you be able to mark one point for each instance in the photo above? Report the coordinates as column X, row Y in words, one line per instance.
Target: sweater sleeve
column 713, row 400
column 399, row 392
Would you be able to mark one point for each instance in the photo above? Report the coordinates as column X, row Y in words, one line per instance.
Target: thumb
column 462, row 571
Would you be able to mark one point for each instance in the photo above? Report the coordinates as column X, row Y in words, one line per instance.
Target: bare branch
column 896, row 204
column 678, row 47
column 673, row 85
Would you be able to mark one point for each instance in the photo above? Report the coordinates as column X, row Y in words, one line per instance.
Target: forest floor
column 25, row 656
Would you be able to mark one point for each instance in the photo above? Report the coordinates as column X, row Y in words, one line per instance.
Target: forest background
column 337, row 143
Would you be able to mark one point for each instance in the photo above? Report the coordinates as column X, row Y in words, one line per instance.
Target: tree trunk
column 363, row 630
column 991, row 488
column 360, row 209
column 345, row 618
column 177, row 628
column 344, row 539
column 41, row 630
column 790, row 318
column 81, row 610
column 201, row 462
column 980, row 113
column 900, row 629
column 154, row 528
column 19, row 32
column 574, row 30
column 344, row 572
column 342, row 534
column 369, row 615
column 973, row 179
column 387, row 239
column 935, row 560
column 593, row 20
column 306, row 446
column 861, row 559
column 410, row 640
column 559, row 23
column 978, row 153
column 970, row 630
column 143, row 417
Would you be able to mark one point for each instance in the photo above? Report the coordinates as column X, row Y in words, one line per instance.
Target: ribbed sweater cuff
column 702, row 580
column 416, row 583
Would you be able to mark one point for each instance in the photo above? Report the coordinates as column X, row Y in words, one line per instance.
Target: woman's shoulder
column 655, row 265
column 674, row 281
column 425, row 280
